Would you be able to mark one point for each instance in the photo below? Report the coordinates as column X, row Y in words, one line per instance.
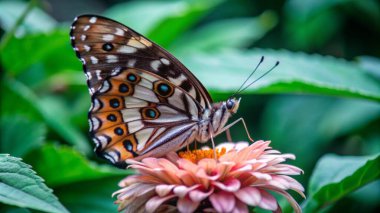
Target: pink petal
column 187, row 165
column 181, row 191
column 167, row 165
column 260, row 175
column 240, row 207
column 197, row 195
column 187, row 205
column 222, row 201
column 230, row 185
column 163, row 189
column 249, row 195
column 155, row 202
column 208, row 164
column 186, row 177
column 267, row 202
column 202, row 173
column 290, row 199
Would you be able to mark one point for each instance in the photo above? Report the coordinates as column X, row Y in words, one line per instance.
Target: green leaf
column 370, row 64
column 167, row 19
column 20, row 135
column 49, row 111
column 73, row 167
column 36, row 21
column 228, row 33
column 297, row 73
column 20, row 186
column 336, row 176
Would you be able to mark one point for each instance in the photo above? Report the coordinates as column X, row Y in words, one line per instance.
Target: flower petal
column 154, row 202
column 163, row 189
column 187, row 205
column 222, row 201
column 249, row 195
column 229, row 185
column 181, row 191
column 267, row 202
column 240, row 207
column 198, row 195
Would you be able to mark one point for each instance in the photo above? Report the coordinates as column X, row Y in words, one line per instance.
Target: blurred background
column 321, row 103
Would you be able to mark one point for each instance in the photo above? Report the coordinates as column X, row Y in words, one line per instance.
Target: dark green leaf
column 20, row 186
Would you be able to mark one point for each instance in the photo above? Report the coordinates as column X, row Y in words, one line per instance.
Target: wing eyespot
column 115, row 103
column 163, row 89
column 107, row 47
column 133, row 77
column 150, row 113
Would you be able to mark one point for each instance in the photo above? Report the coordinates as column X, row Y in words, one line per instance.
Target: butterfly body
column 144, row 101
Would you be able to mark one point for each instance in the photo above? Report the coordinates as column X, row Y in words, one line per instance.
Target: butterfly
column 145, row 103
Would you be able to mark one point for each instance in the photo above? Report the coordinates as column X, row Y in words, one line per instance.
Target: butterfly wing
column 104, row 45
column 144, row 101
column 136, row 114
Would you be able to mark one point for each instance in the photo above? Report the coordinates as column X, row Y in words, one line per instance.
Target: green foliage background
column 321, row 103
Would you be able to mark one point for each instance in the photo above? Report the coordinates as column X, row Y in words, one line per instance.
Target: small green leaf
column 73, row 167
column 228, row 33
column 20, row 135
column 20, row 186
column 297, row 73
column 336, row 176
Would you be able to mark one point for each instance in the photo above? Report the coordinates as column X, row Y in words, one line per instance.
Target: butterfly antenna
column 257, row 66
column 266, row 73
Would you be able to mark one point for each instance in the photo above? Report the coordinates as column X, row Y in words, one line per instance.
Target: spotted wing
column 136, row 114
column 105, row 46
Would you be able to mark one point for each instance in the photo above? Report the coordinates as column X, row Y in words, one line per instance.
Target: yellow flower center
column 199, row 154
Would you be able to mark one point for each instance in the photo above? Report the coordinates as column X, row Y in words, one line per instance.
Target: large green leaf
column 228, row 33
column 166, row 20
column 20, row 186
column 297, row 73
column 336, row 176
column 73, row 167
column 20, row 135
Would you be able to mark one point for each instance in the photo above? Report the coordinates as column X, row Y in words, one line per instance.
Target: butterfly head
column 232, row 104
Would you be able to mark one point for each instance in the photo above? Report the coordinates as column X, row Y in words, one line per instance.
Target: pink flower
column 242, row 176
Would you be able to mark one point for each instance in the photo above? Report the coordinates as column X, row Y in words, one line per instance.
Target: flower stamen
column 199, row 154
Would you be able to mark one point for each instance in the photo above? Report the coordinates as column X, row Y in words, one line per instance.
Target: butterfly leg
column 235, row 122
column 228, row 135
column 213, row 145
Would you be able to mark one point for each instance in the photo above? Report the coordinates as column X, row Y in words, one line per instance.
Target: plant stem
column 8, row 35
